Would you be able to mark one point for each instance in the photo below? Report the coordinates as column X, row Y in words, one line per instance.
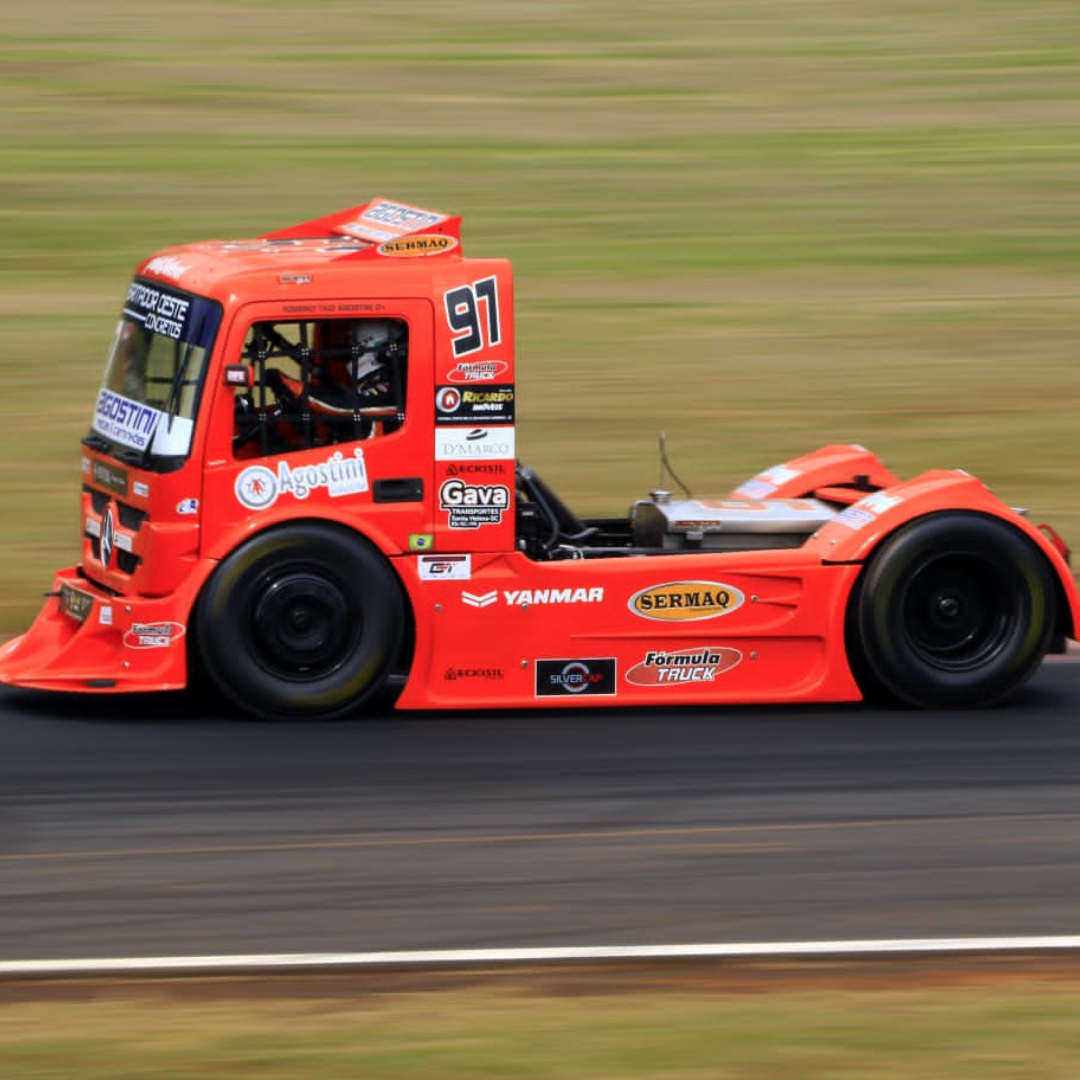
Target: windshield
column 145, row 412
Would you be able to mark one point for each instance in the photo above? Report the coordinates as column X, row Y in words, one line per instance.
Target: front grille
column 129, row 518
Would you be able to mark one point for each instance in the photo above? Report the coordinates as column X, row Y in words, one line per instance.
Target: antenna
column 666, row 469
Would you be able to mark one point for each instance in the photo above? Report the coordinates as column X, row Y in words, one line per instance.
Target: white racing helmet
column 374, row 342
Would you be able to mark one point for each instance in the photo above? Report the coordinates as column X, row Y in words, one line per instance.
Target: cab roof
column 381, row 230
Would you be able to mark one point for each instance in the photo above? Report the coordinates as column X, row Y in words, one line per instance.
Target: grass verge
column 1003, row 1021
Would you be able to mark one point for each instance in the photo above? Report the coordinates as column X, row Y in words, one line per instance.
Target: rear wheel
column 301, row 621
column 953, row 610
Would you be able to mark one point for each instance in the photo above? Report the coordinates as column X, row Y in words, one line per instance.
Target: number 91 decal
column 470, row 331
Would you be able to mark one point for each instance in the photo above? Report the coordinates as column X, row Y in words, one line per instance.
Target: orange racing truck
column 301, row 478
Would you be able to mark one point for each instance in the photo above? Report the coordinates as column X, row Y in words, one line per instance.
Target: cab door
column 323, row 410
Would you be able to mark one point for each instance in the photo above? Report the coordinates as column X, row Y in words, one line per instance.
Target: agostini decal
column 697, row 665
column 258, row 486
column 127, row 422
column 685, row 601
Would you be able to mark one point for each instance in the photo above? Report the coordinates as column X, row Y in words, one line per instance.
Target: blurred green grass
column 759, row 225
column 1023, row 1028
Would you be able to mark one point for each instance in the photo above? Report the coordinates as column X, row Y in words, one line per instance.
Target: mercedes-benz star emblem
column 108, row 537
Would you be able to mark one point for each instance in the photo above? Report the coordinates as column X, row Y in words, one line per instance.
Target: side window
column 319, row 382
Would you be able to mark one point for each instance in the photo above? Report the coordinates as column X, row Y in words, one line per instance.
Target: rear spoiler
column 385, row 223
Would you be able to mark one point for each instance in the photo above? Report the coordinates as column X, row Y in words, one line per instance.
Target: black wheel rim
column 957, row 612
column 301, row 625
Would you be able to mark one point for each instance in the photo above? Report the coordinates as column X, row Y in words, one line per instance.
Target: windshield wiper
column 178, row 382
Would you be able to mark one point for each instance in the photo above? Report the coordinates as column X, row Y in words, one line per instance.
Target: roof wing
column 376, row 222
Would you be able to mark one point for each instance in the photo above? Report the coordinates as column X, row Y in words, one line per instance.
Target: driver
column 351, row 369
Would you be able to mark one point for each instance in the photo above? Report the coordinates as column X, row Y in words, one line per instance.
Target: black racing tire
column 954, row 610
column 301, row 621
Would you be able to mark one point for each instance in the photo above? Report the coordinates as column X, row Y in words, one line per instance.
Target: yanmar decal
column 158, row 635
column 685, row 601
column 475, row 405
column 697, row 665
column 528, row 597
column 258, row 486
column 472, row 371
column 473, row 505
column 480, row 600
column 557, row 677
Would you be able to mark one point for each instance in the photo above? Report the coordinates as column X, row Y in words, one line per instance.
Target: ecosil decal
column 258, row 487
column 686, row 601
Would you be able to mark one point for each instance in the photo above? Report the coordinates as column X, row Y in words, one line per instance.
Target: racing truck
column 301, row 480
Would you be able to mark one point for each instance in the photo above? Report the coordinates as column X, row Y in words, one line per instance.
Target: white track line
column 465, row 958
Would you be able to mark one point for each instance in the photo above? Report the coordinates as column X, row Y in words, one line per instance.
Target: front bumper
column 86, row 640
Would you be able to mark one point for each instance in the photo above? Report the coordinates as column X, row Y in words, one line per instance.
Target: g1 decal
column 445, row 567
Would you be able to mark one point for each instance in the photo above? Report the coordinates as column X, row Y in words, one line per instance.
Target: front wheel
column 954, row 609
column 300, row 621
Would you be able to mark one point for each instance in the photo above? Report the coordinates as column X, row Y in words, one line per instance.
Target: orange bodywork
column 665, row 614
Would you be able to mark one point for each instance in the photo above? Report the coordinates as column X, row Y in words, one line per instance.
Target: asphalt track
column 150, row 826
